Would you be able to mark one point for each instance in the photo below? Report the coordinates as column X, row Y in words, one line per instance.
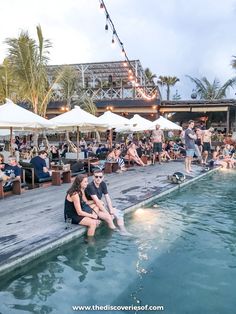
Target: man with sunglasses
column 95, row 191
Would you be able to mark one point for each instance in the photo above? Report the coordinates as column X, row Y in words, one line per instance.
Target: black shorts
column 198, row 142
column 206, row 147
column 157, row 147
column 76, row 219
column 86, row 208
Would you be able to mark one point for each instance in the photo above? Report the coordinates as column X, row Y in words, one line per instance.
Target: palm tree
column 233, row 63
column 28, row 60
column 68, row 78
column 168, row 81
column 206, row 90
column 88, row 105
column 6, row 82
column 150, row 76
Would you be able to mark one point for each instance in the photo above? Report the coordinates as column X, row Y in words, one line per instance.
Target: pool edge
column 18, row 263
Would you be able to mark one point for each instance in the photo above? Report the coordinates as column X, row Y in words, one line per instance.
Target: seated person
column 39, row 163
column 2, row 163
column 94, row 193
column 76, row 208
column 133, row 155
column 101, row 151
column 216, row 161
column 82, row 142
column 114, row 156
column 11, row 171
column 65, row 150
column 54, row 153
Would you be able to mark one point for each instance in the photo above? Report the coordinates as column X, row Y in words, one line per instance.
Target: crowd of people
column 83, row 202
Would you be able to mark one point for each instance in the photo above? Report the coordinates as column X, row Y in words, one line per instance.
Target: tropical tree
column 28, row 60
column 233, row 63
column 167, row 81
column 207, row 90
column 150, row 76
column 88, row 105
column 6, row 81
column 68, row 78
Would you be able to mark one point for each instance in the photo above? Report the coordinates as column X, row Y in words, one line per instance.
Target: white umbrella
column 114, row 120
column 165, row 124
column 140, row 124
column 77, row 117
column 14, row 116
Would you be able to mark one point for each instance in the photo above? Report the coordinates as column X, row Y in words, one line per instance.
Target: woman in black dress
column 77, row 209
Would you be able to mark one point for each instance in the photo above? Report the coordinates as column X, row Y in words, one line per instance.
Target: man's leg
column 119, row 216
column 187, row 164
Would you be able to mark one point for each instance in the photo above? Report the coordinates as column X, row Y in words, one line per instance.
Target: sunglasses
column 100, row 177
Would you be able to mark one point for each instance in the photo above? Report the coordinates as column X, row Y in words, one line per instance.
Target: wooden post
column 11, row 139
column 110, row 138
column 227, row 122
column 77, row 140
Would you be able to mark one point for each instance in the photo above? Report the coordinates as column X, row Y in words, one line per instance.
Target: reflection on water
column 182, row 256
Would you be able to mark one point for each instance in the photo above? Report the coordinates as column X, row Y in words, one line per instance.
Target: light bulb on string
column 101, row 7
column 123, row 51
column 131, row 72
column 106, row 26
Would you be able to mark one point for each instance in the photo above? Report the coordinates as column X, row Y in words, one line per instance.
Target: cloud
column 170, row 37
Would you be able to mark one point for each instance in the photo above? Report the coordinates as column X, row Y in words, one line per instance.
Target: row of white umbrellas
column 14, row 116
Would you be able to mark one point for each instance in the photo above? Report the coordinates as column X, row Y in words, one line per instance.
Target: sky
column 171, row 37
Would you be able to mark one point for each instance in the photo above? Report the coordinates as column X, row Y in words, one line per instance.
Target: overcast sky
column 171, row 37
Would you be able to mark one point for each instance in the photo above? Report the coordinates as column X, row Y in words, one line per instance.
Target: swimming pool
column 183, row 258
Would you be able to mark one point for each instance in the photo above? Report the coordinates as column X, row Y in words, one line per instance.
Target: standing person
column 157, row 139
column 39, row 163
column 198, row 141
column 206, row 139
column 76, row 208
column 190, row 138
column 95, row 191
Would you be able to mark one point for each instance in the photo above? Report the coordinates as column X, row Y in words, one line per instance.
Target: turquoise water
column 183, row 258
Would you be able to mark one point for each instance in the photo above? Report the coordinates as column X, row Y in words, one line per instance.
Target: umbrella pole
column 11, row 139
column 110, row 138
column 77, row 144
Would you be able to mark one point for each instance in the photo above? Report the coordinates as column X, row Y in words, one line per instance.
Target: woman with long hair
column 2, row 163
column 76, row 207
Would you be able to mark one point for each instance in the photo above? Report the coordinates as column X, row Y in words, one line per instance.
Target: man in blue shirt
column 12, row 171
column 40, row 167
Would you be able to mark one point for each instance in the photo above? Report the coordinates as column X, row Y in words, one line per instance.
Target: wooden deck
column 32, row 224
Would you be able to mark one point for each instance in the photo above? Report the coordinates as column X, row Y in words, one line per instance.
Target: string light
column 127, row 62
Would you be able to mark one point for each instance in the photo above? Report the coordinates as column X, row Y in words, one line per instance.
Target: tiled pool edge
column 168, row 191
column 16, row 264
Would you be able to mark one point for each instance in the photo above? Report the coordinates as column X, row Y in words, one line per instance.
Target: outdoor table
column 89, row 161
column 111, row 166
column 16, row 187
column 58, row 174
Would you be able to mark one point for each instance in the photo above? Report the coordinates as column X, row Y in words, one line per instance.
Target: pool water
column 183, row 258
